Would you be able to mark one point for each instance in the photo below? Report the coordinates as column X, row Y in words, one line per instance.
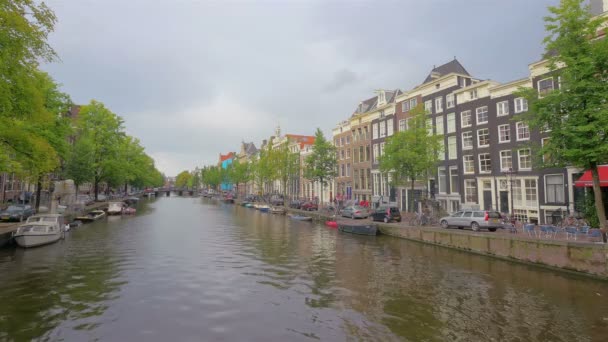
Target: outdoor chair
column 548, row 231
column 529, row 228
column 584, row 230
column 571, row 231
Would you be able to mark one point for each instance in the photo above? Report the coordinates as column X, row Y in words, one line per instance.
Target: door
column 487, row 199
column 504, row 201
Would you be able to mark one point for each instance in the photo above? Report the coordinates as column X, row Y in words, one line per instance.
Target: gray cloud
column 193, row 78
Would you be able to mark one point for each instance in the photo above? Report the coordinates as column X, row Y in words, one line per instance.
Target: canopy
column 587, row 179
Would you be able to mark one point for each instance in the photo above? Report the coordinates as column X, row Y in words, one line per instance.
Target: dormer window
column 473, row 94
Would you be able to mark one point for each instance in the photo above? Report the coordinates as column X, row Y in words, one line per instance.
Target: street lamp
column 510, row 173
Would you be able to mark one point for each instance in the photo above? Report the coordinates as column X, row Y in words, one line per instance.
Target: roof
column 249, row 148
column 372, row 103
column 452, row 66
column 224, row 157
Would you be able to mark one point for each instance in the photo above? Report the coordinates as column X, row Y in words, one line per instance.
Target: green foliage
column 182, row 179
column 78, row 165
column 263, row 169
column 285, row 164
column 321, row 164
column 588, row 211
column 411, row 154
column 576, row 114
column 211, row 176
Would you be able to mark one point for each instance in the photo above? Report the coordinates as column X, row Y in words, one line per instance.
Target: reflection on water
column 193, row 269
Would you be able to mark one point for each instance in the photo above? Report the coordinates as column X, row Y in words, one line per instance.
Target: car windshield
column 14, row 208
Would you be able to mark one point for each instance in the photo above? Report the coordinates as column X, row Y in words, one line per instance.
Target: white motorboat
column 93, row 215
column 115, row 208
column 40, row 230
column 277, row 210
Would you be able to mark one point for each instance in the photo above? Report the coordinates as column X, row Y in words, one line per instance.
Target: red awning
column 587, row 179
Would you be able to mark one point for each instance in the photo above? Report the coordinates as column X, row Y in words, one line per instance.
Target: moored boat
column 301, row 218
column 128, row 211
column 331, row 224
column 40, row 230
column 93, row 215
column 277, row 210
column 360, row 229
column 264, row 208
column 115, row 208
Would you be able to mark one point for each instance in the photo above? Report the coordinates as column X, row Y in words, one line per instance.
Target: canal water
column 192, row 269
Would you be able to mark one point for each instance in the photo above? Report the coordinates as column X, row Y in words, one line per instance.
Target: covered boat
column 360, row 229
column 115, row 208
column 40, row 230
column 301, row 218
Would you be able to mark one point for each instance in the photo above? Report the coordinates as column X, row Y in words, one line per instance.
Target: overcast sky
column 194, row 78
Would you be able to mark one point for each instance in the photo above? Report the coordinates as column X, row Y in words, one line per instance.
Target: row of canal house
column 488, row 160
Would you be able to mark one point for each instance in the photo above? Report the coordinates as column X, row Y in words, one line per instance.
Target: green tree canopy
column 183, row 178
column 321, row 164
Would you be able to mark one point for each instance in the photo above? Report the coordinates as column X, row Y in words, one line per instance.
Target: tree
column 211, row 176
column 575, row 115
column 105, row 131
column 285, row 165
column 411, row 154
column 182, row 179
column 263, row 169
column 321, row 164
column 78, row 165
column 239, row 173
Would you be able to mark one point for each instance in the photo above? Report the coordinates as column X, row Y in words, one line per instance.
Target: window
column 441, row 150
column 355, row 155
column 342, row 174
column 361, row 154
column 449, row 101
column 523, row 132
column 485, row 163
column 468, row 163
column 525, row 159
column 348, row 140
column 504, row 133
column 521, row 105
column 376, row 153
column 341, row 154
column 405, row 106
column 348, row 153
column 473, row 94
column 347, row 170
column 517, row 191
column 368, row 153
column 413, row 103
column 429, row 126
column 467, row 140
column 554, row 185
column 375, row 131
column 454, row 184
column 402, row 125
column 470, row 191
column 442, row 178
column 530, row 185
column 546, row 156
column 439, row 125
column 502, row 108
column 452, row 148
column 438, row 105
column 337, row 142
column 428, row 106
column 545, row 86
column 451, row 127
column 483, row 137
column 389, row 127
column 382, row 129
column 482, row 115
column 506, row 162
column 381, row 149
column 465, row 118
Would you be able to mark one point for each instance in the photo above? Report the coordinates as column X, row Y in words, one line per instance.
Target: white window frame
column 487, row 115
column 451, row 123
column 502, row 159
column 449, row 101
column 521, row 105
column 488, row 159
column 405, row 106
column 561, row 187
column 439, row 125
column 502, row 108
column 402, row 125
column 463, row 114
column 441, row 150
column 444, row 182
column 439, row 104
column 479, row 136
column 549, row 90
column 468, row 159
column 470, row 192
column 452, row 148
column 473, row 94
column 429, row 126
column 428, row 106
column 472, row 139
column 376, row 153
column 375, row 131
column 525, row 128
column 389, row 127
column 382, row 129
column 519, row 163
column 413, row 103
column 500, row 137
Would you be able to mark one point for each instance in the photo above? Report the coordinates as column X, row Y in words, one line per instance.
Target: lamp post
column 510, row 172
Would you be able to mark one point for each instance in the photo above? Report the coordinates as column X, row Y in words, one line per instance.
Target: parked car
column 17, row 212
column 295, row 204
column 476, row 219
column 309, row 206
column 355, row 211
column 386, row 214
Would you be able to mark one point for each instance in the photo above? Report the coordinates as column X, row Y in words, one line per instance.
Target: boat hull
column 34, row 240
column 331, row 224
column 301, row 218
column 359, row 229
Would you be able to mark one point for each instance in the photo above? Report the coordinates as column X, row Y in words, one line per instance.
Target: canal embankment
column 581, row 257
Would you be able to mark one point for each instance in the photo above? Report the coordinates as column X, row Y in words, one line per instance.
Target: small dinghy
column 331, row 224
column 263, row 208
column 94, row 215
column 301, row 218
column 129, row 211
column 277, row 210
column 360, row 229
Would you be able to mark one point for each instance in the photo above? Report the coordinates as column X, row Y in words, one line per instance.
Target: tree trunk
column 96, row 187
column 412, row 194
column 321, row 195
column 599, row 202
column 38, row 192
column 126, row 185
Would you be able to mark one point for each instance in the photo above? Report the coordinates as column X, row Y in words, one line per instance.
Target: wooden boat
column 301, row 218
column 360, row 229
column 92, row 216
column 277, row 210
column 264, row 208
column 128, row 211
column 331, row 224
column 40, row 230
